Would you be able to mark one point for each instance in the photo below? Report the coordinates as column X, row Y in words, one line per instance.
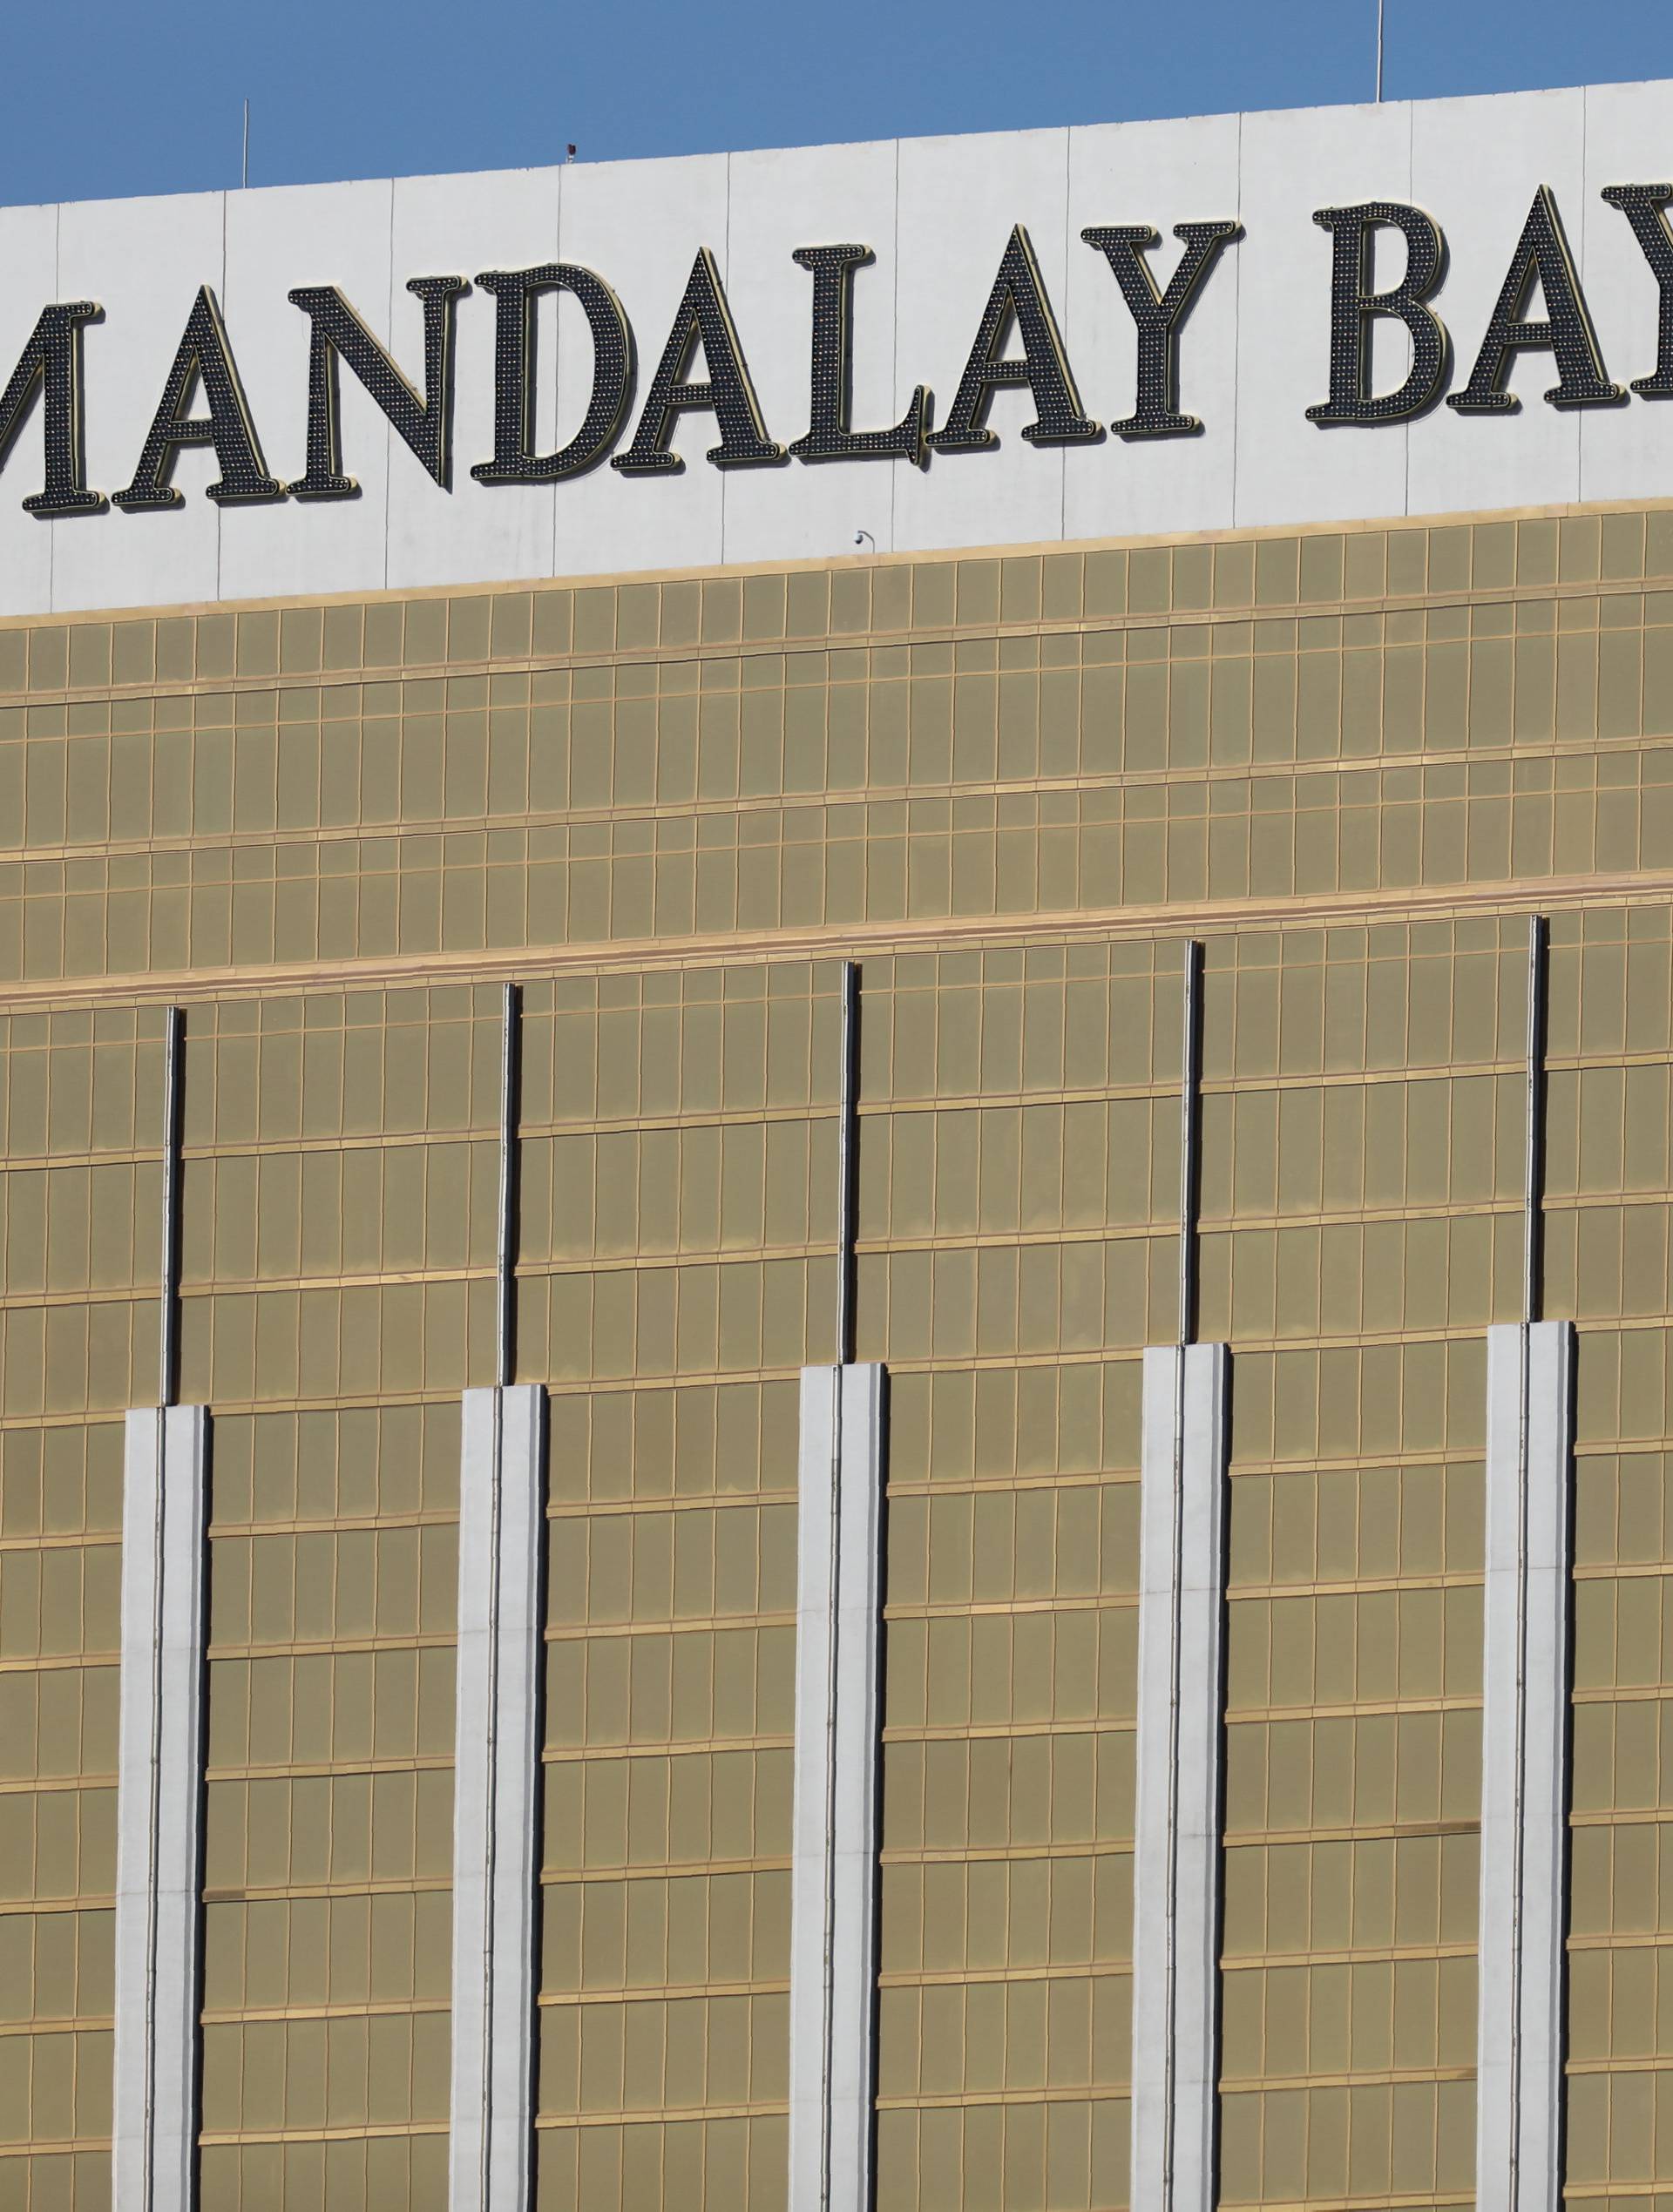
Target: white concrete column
column 834, row 1873
column 497, row 1798
column 1176, row 1859
column 1524, row 1767
column 160, row 1810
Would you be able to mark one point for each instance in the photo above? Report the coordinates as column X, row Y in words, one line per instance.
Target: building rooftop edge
column 824, row 146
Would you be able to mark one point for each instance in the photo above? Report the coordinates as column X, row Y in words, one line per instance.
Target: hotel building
column 836, row 1085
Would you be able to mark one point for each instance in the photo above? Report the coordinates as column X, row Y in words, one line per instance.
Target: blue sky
column 97, row 98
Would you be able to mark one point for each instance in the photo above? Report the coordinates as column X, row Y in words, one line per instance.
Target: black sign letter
column 1159, row 315
column 516, row 291
column 1355, row 306
column 52, row 359
column 1018, row 301
column 339, row 333
column 205, row 360
column 704, row 319
column 828, row 436
column 1642, row 205
column 1541, row 255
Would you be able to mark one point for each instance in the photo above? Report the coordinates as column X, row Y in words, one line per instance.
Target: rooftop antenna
column 1380, row 52
column 244, row 177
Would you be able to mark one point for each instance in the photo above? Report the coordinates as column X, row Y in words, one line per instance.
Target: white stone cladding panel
column 159, row 1808
column 1176, row 1859
column 1524, row 1767
column 497, row 1798
column 834, row 1820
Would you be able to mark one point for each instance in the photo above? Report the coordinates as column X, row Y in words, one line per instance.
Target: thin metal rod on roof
column 244, row 172
column 1380, row 52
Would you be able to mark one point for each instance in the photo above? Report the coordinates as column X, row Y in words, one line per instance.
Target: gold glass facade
column 1352, row 764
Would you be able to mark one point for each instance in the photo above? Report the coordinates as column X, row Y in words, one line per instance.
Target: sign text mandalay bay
column 1018, row 343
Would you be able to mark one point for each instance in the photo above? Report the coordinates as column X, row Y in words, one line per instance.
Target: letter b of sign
column 1355, row 307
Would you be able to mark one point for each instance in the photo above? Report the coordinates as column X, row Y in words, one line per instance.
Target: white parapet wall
column 160, row 1810
column 1177, row 1862
column 834, row 1872
column 1524, row 1767
column 497, row 1798
column 1254, row 354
